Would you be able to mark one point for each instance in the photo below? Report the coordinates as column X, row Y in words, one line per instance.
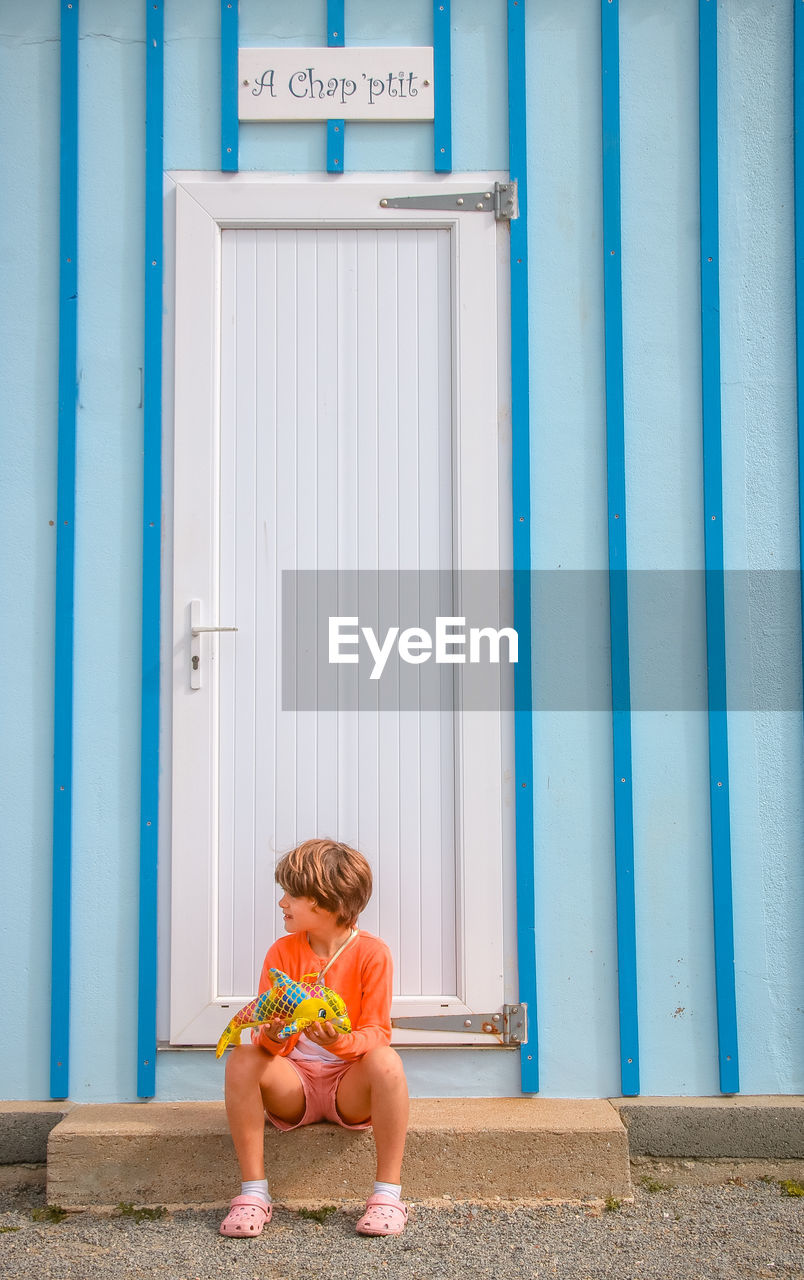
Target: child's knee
column 385, row 1064
column 244, row 1063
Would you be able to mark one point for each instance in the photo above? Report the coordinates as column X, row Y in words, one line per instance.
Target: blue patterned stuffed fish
column 299, row 1003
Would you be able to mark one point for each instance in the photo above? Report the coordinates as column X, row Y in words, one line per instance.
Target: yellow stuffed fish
column 300, row 1003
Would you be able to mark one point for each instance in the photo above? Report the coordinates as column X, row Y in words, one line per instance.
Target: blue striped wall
column 580, row 1013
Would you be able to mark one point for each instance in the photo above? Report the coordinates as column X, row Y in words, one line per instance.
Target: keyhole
column 196, row 661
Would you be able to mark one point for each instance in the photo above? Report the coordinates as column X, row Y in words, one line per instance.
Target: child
column 355, row 1080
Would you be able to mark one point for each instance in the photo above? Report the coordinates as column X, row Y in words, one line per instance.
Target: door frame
column 205, row 204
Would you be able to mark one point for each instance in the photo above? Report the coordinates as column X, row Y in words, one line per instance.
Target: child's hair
column 334, row 875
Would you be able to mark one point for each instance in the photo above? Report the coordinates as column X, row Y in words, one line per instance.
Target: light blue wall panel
column 479, row 85
column 572, row 749
column 108, row 549
column 663, row 442
column 192, row 84
column 760, row 521
column 29, row 257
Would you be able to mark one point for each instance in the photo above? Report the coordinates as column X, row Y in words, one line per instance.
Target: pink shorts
column 319, row 1080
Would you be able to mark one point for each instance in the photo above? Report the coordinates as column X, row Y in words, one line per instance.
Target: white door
column 336, row 409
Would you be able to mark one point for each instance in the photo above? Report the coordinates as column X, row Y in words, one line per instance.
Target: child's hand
column 272, row 1028
column 321, row 1033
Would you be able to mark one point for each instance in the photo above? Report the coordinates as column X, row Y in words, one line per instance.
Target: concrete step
column 468, row 1148
column 24, row 1129
column 744, row 1126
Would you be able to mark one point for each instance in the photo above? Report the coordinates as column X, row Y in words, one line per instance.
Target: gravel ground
column 731, row 1231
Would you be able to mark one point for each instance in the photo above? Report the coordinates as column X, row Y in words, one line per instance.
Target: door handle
column 196, row 632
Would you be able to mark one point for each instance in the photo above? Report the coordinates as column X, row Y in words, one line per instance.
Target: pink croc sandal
column 246, row 1217
column 384, row 1216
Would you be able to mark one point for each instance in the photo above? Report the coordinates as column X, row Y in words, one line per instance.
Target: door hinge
column 510, row 1025
column 501, row 200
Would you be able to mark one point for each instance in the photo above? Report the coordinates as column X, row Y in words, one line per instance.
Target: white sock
column 258, row 1188
column 390, row 1188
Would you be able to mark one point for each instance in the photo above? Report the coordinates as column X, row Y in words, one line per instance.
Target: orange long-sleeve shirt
column 362, row 976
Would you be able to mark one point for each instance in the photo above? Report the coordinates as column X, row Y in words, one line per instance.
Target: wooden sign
column 336, row 84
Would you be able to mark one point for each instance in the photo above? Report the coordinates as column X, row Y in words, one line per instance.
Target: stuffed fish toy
column 299, row 1003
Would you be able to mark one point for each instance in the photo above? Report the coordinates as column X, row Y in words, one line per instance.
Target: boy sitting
column 354, row 1080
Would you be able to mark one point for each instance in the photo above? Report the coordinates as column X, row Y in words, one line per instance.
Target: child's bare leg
column 257, row 1081
column 376, row 1086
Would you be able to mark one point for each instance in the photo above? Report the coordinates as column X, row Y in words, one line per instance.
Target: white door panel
column 336, row 408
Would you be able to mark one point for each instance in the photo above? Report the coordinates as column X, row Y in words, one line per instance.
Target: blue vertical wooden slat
column 442, row 75
column 335, row 128
column 618, row 554
column 520, row 447
column 65, row 558
column 713, row 554
column 798, row 160
column 230, row 128
column 151, row 550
